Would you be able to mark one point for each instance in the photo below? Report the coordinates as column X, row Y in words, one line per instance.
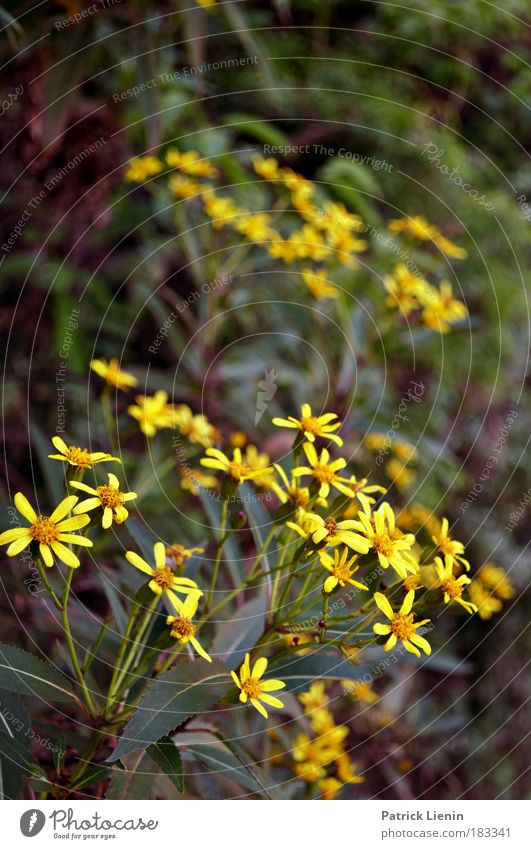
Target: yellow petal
column 24, row 507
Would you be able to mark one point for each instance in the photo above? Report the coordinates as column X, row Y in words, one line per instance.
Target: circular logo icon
column 32, row 822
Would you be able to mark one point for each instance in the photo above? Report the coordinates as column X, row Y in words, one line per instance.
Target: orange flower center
column 383, row 544
column 164, row 577
column 324, row 473
column 342, row 572
column 452, row 587
column 45, row 531
column 311, row 425
column 411, row 583
column 110, row 497
column 402, row 625
column 446, row 545
column 252, row 687
column 182, row 629
column 177, row 554
column 238, row 470
column 79, row 456
column 331, row 525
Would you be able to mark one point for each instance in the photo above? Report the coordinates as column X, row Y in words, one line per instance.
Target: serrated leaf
column 23, row 673
column 187, row 689
column 166, row 755
column 14, row 719
column 215, row 755
column 94, row 775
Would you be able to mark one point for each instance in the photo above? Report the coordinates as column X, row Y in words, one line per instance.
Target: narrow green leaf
column 187, row 689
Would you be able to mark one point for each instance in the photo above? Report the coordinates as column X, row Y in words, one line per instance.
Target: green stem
column 71, row 647
column 222, row 539
column 121, row 654
column 133, row 650
column 42, row 573
column 323, row 627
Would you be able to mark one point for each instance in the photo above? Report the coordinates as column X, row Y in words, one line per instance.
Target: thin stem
column 71, row 647
column 222, row 540
column 121, row 654
column 324, row 624
column 133, row 650
column 42, row 573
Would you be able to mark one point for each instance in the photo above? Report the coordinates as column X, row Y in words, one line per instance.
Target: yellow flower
column 298, row 495
column 163, row 579
column 267, row 168
column 284, row 249
column 390, row 544
column 315, row 698
column 235, row 468
column 256, row 226
column 50, row 532
column 182, row 627
column 293, row 641
column 485, row 600
column 112, row 374
column 196, row 428
column 419, row 516
column 496, row 578
column 399, row 474
column 206, row 3
column 141, row 168
column 443, row 309
column 329, row 787
column 152, row 412
column 323, row 471
column 375, row 441
column 416, row 226
column 312, row 426
column 450, row 249
column 328, row 531
column 238, row 439
column 79, row 457
column 321, row 721
column 318, row 284
column 362, row 691
column 190, row 163
column 310, row 757
column 183, row 187
column 220, row 210
column 336, row 215
column 346, row 771
column 363, row 492
column 404, row 289
column 405, row 450
column 449, row 546
column 341, row 569
column 451, row 586
column 196, row 479
column 255, row 689
column 402, row 627
column 259, row 462
column 178, row 554
column 107, row 496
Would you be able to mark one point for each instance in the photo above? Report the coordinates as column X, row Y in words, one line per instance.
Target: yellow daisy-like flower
column 235, row 468
column 329, row 532
column 112, row 374
column 315, row 698
column 82, row 458
column 416, row 226
column 390, row 544
column 152, row 412
column 484, row 599
column 451, row 586
column 257, row 227
column 194, row 480
column 449, row 546
column 296, row 640
column 298, row 495
column 108, row 497
column 49, row 532
column 402, row 625
column 450, row 249
column 496, row 578
column 196, row 427
column 312, row 426
column 346, row 770
column 361, row 691
column 258, row 461
column 184, row 187
column 400, row 474
column 190, row 163
column 269, row 169
column 178, row 554
column 163, row 579
column 329, row 787
column 323, row 471
column 363, row 493
column 403, row 288
column 141, row 168
column 443, row 309
column 255, row 689
column 220, row 210
column 182, row 627
column 341, row 570
column 318, row 284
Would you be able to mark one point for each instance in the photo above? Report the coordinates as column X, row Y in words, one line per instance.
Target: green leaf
column 231, row 552
column 240, row 633
column 15, row 763
column 14, row 719
column 263, row 131
column 187, row 689
column 166, row 755
column 20, row 672
column 354, row 184
column 215, row 754
column 93, row 776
